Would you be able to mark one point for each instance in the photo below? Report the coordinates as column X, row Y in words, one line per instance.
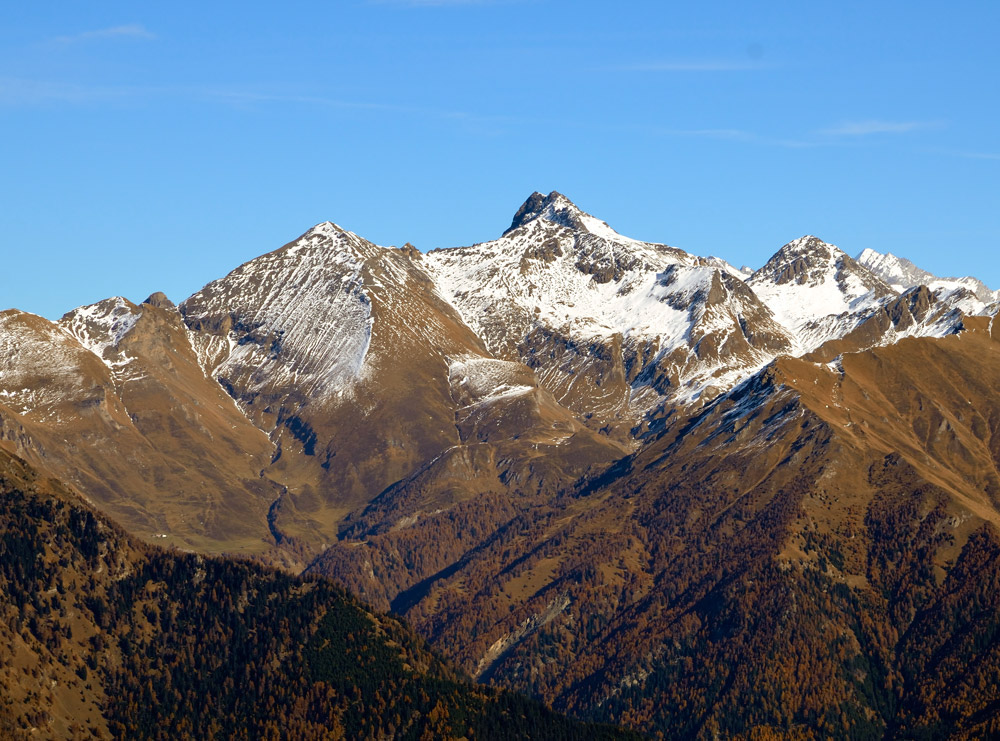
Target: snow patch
column 478, row 379
column 101, row 326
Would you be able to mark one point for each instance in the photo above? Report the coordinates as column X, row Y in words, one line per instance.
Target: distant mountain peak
column 809, row 244
column 330, row 242
column 556, row 208
column 797, row 260
column 326, row 229
column 808, row 281
column 553, row 207
column 898, row 272
column 868, row 255
column 103, row 325
column 159, row 299
column 902, row 274
column 809, row 259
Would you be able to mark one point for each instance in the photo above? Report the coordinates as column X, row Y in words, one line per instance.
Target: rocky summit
column 643, row 486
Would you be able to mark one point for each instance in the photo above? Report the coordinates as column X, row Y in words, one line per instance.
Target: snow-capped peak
column 902, row 274
column 809, row 260
column 809, row 247
column 327, row 228
column 555, row 208
column 898, row 272
column 300, row 312
column 808, row 282
column 331, row 236
column 868, row 257
column 717, row 262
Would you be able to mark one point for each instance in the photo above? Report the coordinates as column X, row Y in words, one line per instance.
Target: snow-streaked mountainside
column 352, row 369
column 605, row 320
column 42, row 366
column 902, row 274
column 101, row 326
column 559, row 267
column 612, row 326
column 299, row 314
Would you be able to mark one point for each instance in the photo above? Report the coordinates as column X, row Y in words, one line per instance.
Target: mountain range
column 645, row 487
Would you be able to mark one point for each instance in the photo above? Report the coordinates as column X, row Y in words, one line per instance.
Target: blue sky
column 156, row 147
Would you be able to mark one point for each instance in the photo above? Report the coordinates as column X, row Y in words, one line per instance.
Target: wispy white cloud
column 742, row 136
column 21, row 92
column 868, row 128
column 27, row 92
column 738, row 135
column 127, row 31
column 979, row 155
column 966, row 154
column 705, row 65
column 24, row 92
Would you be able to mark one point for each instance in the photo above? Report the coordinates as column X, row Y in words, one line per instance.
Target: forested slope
column 103, row 637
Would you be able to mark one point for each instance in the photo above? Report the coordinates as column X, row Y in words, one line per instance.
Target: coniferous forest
column 103, row 637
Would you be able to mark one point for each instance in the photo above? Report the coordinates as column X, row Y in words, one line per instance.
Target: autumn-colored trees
column 176, row 646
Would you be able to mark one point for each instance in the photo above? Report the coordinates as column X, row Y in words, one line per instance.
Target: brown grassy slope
column 157, row 445
column 514, row 452
column 152, row 438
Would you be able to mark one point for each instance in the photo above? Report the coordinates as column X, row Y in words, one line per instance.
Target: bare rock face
column 531, row 209
column 159, row 300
